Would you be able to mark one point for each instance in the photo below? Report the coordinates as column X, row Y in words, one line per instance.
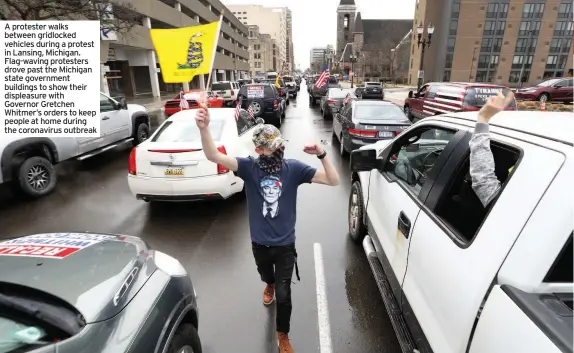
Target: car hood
column 96, row 273
column 136, row 108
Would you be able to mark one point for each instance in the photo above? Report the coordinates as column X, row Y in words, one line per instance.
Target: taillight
column 275, row 104
column 397, row 133
column 331, row 101
column 236, row 103
column 282, row 92
column 232, row 92
column 362, row 133
column 221, row 169
column 132, row 162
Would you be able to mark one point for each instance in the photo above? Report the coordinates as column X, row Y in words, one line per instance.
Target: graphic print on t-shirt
column 271, row 188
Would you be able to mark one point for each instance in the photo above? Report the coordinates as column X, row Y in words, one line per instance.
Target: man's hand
column 493, row 106
column 202, row 117
column 313, row 149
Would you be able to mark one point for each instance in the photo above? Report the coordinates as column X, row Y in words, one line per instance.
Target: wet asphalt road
column 212, row 241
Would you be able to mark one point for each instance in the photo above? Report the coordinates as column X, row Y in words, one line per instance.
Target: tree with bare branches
column 113, row 15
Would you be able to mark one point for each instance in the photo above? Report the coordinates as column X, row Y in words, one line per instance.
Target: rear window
column 254, row 91
column 333, row 80
column 373, row 84
column 379, row 112
column 341, row 93
column 287, row 79
column 477, row 96
column 186, row 131
column 220, row 86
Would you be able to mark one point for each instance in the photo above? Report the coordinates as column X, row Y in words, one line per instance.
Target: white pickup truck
column 29, row 162
column 457, row 277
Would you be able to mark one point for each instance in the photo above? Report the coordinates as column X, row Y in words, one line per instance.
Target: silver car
column 86, row 292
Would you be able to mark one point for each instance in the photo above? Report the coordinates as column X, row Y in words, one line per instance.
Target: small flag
column 237, row 110
column 183, row 104
column 250, row 112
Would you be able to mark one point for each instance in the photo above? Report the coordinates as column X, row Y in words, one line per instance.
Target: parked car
column 437, row 98
column 290, row 86
column 245, row 81
column 553, row 90
column 265, row 101
column 93, row 292
column 333, row 101
column 456, row 276
column 171, row 165
column 373, row 90
column 193, row 98
column 226, row 90
column 361, row 123
column 316, row 93
column 28, row 162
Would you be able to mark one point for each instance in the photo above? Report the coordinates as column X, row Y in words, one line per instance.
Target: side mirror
column 259, row 121
column 365, row 160
column 123, row 104
column 410, row 94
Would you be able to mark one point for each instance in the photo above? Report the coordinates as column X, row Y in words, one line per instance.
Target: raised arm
column 207, row 143
column 327, row 176
column 482, row 167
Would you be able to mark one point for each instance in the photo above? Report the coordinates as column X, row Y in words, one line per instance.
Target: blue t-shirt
column 272, row 200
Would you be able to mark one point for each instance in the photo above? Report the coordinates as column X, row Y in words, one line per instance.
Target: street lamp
column 392, row 65
column 424, row 42
column 353, row 59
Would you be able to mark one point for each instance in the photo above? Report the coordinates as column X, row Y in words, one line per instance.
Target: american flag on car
column 250, row 112
column 183, row 104
column 237, row 110
column 323, row 78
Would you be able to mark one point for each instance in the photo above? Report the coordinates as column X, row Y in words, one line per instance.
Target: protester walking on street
column 271, row 183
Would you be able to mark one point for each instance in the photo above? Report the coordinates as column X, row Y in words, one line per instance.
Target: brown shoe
column 269, row 294
column 283, row 343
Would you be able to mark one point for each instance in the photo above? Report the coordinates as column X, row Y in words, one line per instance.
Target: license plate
column 385, row 134
column 174, row 171
column 222, row 92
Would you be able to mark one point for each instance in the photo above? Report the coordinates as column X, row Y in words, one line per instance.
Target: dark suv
column 264, row 100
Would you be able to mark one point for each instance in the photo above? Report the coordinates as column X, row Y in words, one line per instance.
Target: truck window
column 459, row 208
column 562, row 270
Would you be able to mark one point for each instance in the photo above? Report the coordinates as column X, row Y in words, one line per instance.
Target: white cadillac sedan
column 171, row 166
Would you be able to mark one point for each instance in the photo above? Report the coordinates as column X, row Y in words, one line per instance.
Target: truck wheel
column 185, row 340
column 295, row 96
column 287, row 101
column 142, row 134
column 357, row 229
column 37, row 177
column 408, row 113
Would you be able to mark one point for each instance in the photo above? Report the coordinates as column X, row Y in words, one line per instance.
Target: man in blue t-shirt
column 271, row 184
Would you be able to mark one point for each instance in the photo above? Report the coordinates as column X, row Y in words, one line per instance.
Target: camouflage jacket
column 484, row 181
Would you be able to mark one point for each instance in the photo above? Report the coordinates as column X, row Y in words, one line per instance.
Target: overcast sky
column 315, row 21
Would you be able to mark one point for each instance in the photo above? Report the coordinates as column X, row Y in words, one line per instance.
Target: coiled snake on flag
column 194, row 53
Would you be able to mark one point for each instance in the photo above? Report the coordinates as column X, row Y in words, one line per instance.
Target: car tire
column 543, row 96
column 186, row 336
column 408, row 113
column 342, row 151
column 40, row 169
column 357, row 228
column 287, row 102
column 142, row 134
column 295, row 96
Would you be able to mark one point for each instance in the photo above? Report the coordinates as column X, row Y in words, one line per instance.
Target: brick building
column 494, row 41
column 370, row 41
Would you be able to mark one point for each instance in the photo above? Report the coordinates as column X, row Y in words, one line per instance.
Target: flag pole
column 214, row 51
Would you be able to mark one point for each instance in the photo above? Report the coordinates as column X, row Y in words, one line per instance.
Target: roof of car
column 373, row 102
column 214, row 114
column 556, row 126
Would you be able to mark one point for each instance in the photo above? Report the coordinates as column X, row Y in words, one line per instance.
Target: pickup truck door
column 397, row 193
column 417, row 102
column 115, row 121
column 451, row 266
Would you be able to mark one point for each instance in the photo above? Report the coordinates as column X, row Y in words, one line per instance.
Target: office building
column 263, row 51
column 289, row 46
column 494, row 41
column 270, row 20
column 130, row 66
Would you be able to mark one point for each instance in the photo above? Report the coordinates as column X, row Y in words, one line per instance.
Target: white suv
column 227, row 90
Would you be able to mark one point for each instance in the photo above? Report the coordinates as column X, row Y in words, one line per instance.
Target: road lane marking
column 322, row 306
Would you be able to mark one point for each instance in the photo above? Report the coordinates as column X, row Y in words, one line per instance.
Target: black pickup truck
column 316, row 94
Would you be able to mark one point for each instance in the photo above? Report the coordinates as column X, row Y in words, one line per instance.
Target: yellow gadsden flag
column 185, row 52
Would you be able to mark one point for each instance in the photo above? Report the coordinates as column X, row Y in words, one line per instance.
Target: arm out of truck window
column 484, row 181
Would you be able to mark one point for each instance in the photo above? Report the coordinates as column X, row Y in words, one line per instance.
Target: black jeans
column 275, row 265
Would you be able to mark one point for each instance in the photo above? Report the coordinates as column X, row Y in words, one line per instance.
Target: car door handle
column 404, row 224
column 106, row 118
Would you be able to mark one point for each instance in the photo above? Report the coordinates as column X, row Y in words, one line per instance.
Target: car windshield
column 14, row 336
column 379, row 112
column 549, row 82
column 341, row 93
column 256, row 91
column 220, row 86
column 186, row 131
column 477, row 96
